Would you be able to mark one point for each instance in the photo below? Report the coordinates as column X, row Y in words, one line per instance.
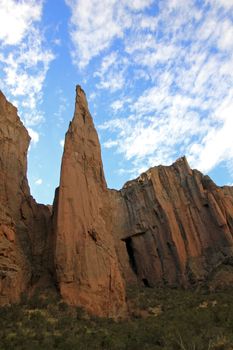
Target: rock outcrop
column 86, row 263
column 24, row 225
column 170, row 226
column 177, row 225
column 228, row 190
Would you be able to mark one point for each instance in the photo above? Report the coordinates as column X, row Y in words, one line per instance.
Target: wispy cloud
column 34, row 136
column 186, row 107
column 94, row 25
column 117, row 105
column 172, row 62
column 62, row 106
column 24, row 58
column 217, row 146
column 38, row 182
column 62, row 142
column 16, row 18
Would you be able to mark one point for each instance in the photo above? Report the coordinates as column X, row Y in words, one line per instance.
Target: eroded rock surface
column 86, row 262
column 24, row 225
column 177, row 225
column 170, row 226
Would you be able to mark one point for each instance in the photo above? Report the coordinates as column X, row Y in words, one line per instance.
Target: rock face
column 24, row 225
column 177, row 225
column 228, row 190
column 170, row 226
column 86, row 262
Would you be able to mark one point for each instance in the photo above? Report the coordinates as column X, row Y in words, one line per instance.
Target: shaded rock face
column 24, row 225
column 87, row 267
column 176, row 225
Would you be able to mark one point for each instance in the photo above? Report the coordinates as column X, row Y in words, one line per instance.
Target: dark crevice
column 146, row 283
column 93, row 234
column 84, row 117
column 130, row 251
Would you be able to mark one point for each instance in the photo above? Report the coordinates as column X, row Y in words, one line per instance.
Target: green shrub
column 186, row 320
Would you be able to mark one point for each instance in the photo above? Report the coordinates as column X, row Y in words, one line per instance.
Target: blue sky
column 158, row 77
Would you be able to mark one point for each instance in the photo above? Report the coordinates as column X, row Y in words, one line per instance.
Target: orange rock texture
column 24, row 225
column 86, row 263
column 177, row 225
column 170, row 226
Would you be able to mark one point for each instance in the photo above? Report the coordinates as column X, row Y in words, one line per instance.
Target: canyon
column 171, row 226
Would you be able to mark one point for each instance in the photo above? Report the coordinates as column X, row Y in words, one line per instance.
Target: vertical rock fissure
column 130, row 250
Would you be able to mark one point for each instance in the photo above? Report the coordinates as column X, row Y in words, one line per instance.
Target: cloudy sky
column 158, row 75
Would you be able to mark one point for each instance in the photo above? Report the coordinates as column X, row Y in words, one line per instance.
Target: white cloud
column 217, row 145
column 142, row 42
column 92, row 96
column 39, row 182
column 160, row 54
column 34, row 135
column 62, row 106
column 147, row 22
column 25, row 65
column 115, row 81
column 107, row 62
column 62, row 142
column 227, row 4
column 225, row 40
column 110, row 144
column 149, row 140
column 112, row 72
column 57, row 42
column 117, row 105
column 95, row 24
column 16, row 18
column 138, row 5
column 174, row 70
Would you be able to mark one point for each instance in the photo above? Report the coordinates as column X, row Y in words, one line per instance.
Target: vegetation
column 160, row 319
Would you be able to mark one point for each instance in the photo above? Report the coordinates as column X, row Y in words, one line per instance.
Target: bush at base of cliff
column 160, row 319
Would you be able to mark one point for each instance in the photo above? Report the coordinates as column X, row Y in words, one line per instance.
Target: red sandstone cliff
column 177, row 225
column 24, row 225
column 86, row 262
column 170, row 226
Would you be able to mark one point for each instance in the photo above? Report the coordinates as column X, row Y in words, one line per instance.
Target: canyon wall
column 24, row 225
column 177, row 225
column 170, row 226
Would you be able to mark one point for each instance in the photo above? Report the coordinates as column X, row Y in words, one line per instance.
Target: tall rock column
column 86, row 262
column 24, row 225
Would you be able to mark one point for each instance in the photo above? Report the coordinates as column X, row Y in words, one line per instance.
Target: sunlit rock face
column 170, row 226
column 87, row 266
column 177, row 225
column 24, row 225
